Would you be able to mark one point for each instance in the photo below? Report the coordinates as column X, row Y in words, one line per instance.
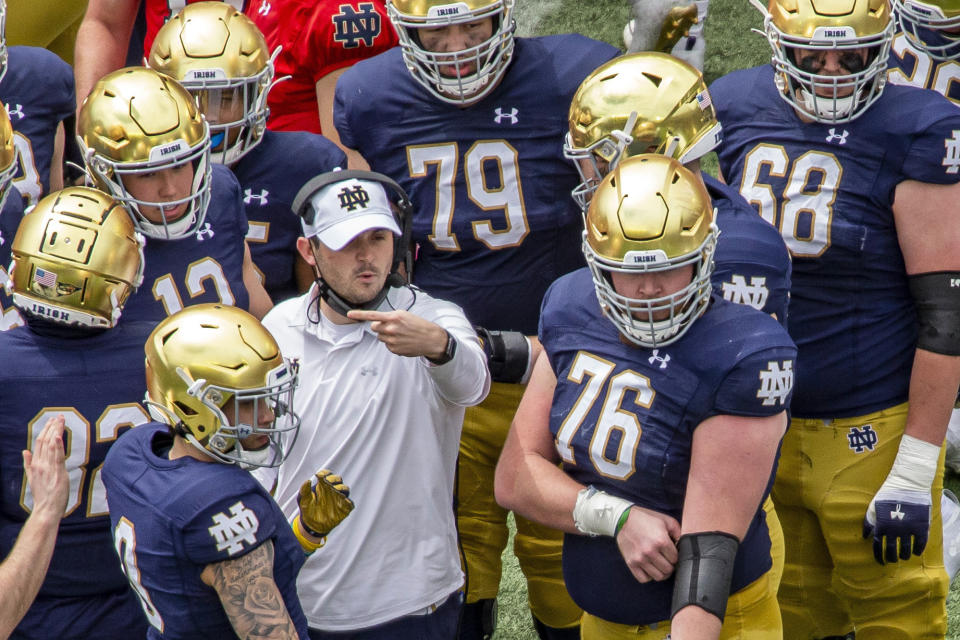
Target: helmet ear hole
column 185, row 409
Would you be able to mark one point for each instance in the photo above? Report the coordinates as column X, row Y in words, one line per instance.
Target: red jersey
column 318, row 37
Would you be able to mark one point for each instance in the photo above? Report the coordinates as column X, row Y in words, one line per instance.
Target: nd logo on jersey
column 754, row 294
column 353, row 26
column 776, row 382
column 951, row 157
column 230, row 532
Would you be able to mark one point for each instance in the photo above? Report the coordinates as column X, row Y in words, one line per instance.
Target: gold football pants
column 752, row 614
column 829, row 472
column 51, row 24
column 483, row 523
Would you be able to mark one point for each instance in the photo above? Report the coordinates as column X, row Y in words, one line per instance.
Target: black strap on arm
column 937, row 298
column 704, row 570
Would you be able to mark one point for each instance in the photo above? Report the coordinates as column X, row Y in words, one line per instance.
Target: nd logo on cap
column 345, row 209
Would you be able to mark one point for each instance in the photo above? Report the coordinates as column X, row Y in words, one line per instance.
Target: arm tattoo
column 251, row 598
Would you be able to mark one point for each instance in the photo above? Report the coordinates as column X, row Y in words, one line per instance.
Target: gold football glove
column 675, row 26
column 324, row 503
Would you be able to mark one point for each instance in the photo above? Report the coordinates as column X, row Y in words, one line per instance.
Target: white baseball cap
column 343, row 210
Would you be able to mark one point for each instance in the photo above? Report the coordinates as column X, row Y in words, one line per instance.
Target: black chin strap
column 339, row 304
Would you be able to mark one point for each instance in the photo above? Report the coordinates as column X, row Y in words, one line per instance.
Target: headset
column 402, row 245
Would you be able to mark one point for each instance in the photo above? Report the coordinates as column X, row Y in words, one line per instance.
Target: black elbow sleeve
column 937, row 298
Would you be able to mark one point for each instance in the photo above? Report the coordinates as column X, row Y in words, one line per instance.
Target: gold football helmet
column 844, row 26
column 219, row 55
column 208, row 355
column 137, row 121
column 649, row 215
column 76, row 259
column 489, row 58
column 931, row 26
column 645, row 102
column 8, row 155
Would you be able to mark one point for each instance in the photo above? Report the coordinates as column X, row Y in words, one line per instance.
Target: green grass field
column 730, row 45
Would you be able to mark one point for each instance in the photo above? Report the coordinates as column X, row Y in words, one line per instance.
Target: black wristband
column 306, row 528
column 448, row 353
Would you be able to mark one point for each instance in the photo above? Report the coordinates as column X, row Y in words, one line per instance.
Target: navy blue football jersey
column 829, row 189
column 751, row 263
column 10, row 217
column 38, row 92
column 912, row 67
column 204, row 267
column 96, row 383
column 494, row 221
column 270, row 177
column 734, row 360
column 172, row 518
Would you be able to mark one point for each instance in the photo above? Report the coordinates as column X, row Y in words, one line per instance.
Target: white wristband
column 596, row 513
column 914, row 467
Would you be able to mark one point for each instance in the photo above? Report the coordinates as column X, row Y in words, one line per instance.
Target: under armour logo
column 655, row 358
column 776, row 383
column 500, row 115
column 839, row 138
column 351, row 199
column 738, row 291
column 897, row 514
column 352, row 26
column 205, row 233
column 249, row 196
column 862, row 439
column 18, row 111
column 264, row 9
column 951, row 158
column 230, row 532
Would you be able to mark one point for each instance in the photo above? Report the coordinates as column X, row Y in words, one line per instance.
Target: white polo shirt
column 390, row 425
